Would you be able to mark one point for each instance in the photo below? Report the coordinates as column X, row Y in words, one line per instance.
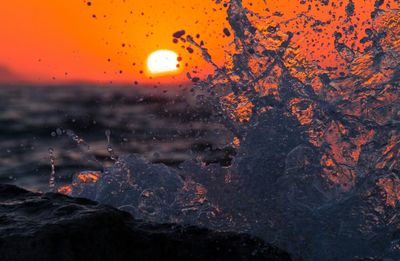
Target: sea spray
column 83, row 146
column 317, row 146
column 52, row 179
column 110, row 150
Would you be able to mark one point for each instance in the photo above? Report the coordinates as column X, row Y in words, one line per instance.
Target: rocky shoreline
column 51, row 226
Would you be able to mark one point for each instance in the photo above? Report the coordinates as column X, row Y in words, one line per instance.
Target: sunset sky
column 48, row 41
column 103, row 41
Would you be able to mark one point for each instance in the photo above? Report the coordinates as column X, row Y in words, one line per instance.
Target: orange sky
column 57, row 41
column 68, row 40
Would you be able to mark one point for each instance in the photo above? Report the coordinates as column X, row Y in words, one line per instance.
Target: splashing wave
column 312, row 100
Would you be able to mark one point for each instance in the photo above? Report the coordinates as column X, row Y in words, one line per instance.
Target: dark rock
column 51, row 226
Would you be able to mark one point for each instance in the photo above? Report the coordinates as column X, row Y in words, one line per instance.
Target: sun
column 163, row 62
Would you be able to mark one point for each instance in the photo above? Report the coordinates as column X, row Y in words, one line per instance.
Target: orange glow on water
column 88, row 177
column 238, row 108
column 67, row 190
column 391, row 190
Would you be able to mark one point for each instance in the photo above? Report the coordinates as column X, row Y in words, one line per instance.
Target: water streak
column 52, row 180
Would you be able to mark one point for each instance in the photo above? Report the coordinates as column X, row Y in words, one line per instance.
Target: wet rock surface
column 51, row 226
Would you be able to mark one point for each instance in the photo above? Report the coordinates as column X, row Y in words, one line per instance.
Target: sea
column 80, row 127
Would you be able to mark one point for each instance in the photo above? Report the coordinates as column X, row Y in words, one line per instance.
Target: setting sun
column 106, row 41
column 162, row 62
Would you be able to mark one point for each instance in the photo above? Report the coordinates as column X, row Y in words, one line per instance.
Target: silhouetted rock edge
column 51, row 226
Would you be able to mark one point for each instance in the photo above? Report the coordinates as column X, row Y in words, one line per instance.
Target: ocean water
column 164, row 125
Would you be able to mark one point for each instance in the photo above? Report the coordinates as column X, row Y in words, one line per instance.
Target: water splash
column 312, row 100
column 110, row 150
column 83, row 146
column 52, row 179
